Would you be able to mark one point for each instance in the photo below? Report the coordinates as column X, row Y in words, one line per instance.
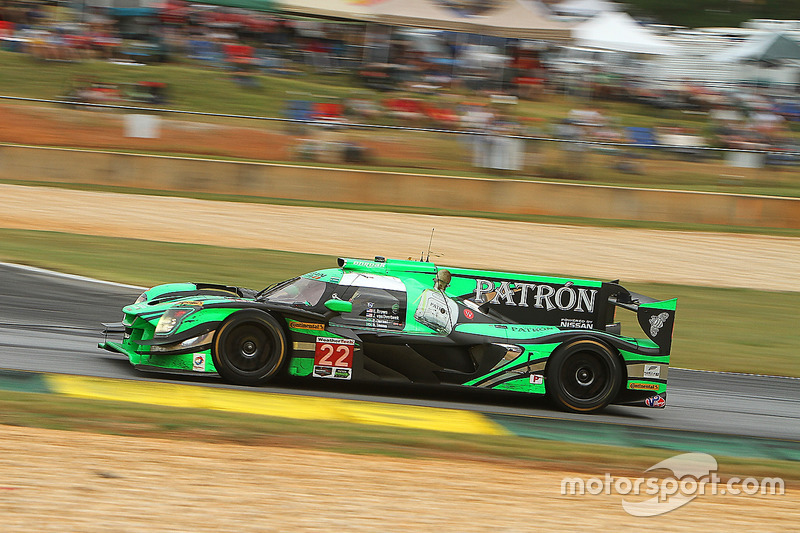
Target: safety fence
column 641, row 142
column 318, row 137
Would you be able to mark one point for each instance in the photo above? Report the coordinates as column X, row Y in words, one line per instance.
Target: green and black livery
column 411, row 321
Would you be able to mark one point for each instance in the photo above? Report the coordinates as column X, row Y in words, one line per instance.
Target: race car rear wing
column 655, row 317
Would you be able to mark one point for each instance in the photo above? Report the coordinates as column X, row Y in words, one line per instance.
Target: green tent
column 254, row 5
column 769, row 48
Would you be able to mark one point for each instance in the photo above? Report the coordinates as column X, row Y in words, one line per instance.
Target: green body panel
column 630, row 357
column 301, row 366
column 669, row 305
column 328, row 275
column 143, row 317
column 456, row 272
column 488, row 330
column 179, row 361
column 521, row 385
column 537, row 351
column 533, row 355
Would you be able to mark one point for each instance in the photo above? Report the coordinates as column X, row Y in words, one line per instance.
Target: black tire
column 583, row 376
column 249, row 348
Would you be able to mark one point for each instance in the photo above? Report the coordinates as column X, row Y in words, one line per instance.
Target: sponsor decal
column 382, row 318
column 537, row 379
column 330, row 372
column 576, row 323
column 334, row 353
column 655, row 401
column 342, row 373
column 199, row 362
column 192, row 303
column 643, row 386
column 539, row 295
column 323, row 371
column 657, row 322
column 333, row 358
column 367, row 264
column 468, row 314
column 530, row 329
column 652, row 371
column 306, row 325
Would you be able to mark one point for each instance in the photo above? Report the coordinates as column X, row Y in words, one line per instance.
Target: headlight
column 200, row 340
column 170, row 320
column 142, row 298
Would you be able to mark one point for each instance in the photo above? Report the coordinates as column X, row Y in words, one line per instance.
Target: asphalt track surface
column 51, row 323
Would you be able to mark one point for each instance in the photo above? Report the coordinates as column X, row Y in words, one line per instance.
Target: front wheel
column 249, row 348
column 583, row 376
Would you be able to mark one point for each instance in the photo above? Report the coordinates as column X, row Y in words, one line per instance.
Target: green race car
column 411, row 321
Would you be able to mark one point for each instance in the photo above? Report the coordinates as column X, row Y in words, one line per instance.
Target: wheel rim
column 585, row 376
column 249, row 348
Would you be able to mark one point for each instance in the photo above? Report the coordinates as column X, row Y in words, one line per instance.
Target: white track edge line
column 732, row 373
column 69, row 276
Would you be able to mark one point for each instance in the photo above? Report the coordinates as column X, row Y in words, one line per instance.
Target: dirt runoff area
column 691, row 258
column 70, row 481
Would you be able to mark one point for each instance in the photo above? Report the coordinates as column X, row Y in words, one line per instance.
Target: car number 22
column 334, row 352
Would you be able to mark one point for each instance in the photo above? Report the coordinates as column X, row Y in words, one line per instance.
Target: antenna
column 428, row 257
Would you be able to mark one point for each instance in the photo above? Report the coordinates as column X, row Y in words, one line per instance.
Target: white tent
column 345, row 9
column 766, row 58
column 618, row 31
column 512, row 18
column 415, row 13
column 521, row 20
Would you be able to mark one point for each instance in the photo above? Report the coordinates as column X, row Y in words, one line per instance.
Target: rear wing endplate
column 657, row 319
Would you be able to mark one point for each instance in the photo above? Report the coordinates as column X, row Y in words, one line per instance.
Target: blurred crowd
column 408, row 59
column 431, row 78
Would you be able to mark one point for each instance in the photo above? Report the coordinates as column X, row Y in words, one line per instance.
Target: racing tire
column 249, row 348
column 583, row 376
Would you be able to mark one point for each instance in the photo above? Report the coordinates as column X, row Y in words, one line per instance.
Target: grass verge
column 141, row 420
column 734, row 330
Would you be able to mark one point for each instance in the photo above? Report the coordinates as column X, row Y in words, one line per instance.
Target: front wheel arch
column 584, row 375
column 249, row 348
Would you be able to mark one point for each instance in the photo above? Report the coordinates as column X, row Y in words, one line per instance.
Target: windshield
column 297, row 291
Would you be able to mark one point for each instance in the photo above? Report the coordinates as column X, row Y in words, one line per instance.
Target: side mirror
column 339, row 306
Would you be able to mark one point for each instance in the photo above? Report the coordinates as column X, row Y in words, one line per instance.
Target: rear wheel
column 583, row 376
column 249, row 348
